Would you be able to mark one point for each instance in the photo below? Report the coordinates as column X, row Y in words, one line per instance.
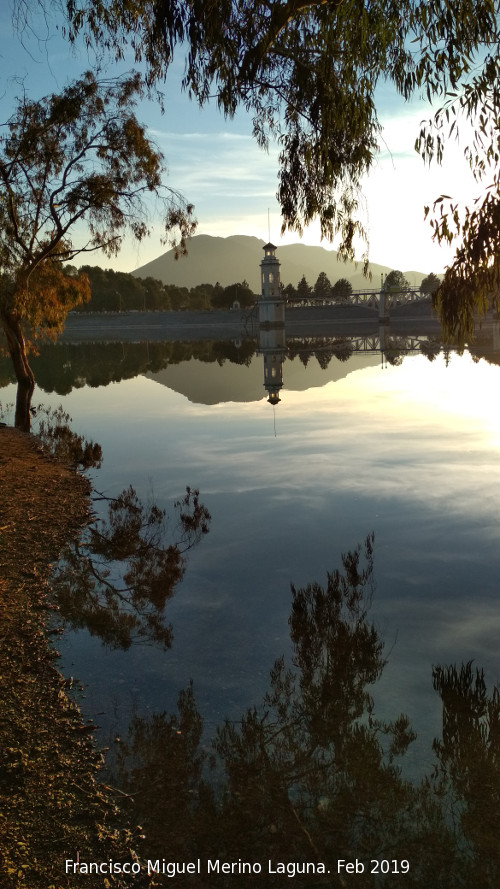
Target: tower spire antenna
column 268, row 225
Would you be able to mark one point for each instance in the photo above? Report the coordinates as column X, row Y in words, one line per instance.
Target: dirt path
column 51, row 807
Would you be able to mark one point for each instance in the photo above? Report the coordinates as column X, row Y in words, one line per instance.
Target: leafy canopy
column 322, row 287
column 342, row 290
column 430, row 284
column 396, row 280
column 77, row 157
column 307, row 71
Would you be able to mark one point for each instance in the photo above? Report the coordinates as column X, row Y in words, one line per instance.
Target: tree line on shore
column 79, row 172
column 342, row 289
column 112, row 291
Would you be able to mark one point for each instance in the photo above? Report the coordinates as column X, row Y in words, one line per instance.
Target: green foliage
column 395, row 280
column 308, row 74
column 471, row 110
column 472, row 283
column 53, row 429
column 118, row 291
column 341, row 290
column 112, row 291
column 224, row 298
column 430, row 284
column 200, row 297
column 290, row 293
column 304, row 289
column 322, row 287
column 79, row 156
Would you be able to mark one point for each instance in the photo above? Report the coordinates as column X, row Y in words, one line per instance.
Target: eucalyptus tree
column 77, row 171
column 307, row 71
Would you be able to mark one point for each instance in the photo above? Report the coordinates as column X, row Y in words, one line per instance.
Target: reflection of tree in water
column 394, row 350
column 64, row 366
column 342, row 349
column 322, row 348
column 312, row 770
column 117, row 578
column 309, row 775
column 468, row 769
column 54, row 431
column 237, row 353
column 431, row 347
column 312, row 775
column 161, row 767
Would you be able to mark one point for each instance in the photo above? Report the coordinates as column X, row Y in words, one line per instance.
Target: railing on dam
column 369, row 297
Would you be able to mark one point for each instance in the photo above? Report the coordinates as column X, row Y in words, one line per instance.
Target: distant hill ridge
column 237, row 258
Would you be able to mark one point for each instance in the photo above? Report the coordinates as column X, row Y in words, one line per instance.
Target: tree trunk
column 22, row 370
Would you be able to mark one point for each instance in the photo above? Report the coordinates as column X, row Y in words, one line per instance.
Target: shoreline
column 51, row 802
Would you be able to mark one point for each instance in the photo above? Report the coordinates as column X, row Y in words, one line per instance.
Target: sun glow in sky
column 217, row 165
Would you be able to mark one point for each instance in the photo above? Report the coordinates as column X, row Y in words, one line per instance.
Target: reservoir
column 326, row 689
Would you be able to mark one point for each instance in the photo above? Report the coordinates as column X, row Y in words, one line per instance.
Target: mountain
column 203, row 383
column 238, row 257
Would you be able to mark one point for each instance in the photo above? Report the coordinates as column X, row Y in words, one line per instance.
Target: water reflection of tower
column 272, row 341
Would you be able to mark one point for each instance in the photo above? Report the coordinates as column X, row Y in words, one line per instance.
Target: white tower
column 272, row 324
column 270, row 277
column 271, row 303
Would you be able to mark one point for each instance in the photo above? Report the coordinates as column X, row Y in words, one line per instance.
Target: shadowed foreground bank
column 51, row 806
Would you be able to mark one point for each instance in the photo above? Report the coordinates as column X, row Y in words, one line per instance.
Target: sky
column 217, row 165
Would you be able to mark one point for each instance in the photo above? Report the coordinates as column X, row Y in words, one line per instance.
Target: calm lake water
column 407, row 452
